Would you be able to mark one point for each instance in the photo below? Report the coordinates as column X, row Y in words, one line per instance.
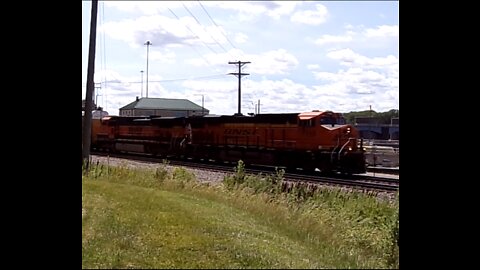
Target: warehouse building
column 166, row 107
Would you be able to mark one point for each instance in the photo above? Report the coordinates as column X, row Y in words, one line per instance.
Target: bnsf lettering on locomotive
column 239, row 132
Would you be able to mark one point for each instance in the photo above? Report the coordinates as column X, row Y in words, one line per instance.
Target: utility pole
column 87, row 124
column 239, row 74
column 258, row 106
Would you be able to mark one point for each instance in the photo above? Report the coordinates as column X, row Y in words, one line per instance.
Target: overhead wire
column 191, row 31
column 213, row 21
column 199, row 23
column 217, row 76
column 206, row 60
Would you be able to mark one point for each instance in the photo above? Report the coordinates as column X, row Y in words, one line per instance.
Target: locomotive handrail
column 341, row 149
column 182, row 142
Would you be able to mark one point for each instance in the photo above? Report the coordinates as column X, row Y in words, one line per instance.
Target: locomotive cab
column 336, row 141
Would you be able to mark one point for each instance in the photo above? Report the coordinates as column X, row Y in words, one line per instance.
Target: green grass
column 155, row 219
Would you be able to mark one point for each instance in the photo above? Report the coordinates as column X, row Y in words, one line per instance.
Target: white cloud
column 166, row 56
column 359, row 82
column 362, row 72
column 283, row 95
column 220, row 96
column 325, row 39
column 267, row 63
column 148, row 7
column 273, row 9
column 344, row 55
column 277, row 96
column 215, row 59
column 326, row 76
column 246, row 9
column 282, row 8
column 241, row 38
column 349, row 58
column 357, row 36
column 161, row 31
column 106, row 75
column 164, row 31
column 364, row 76
column 273, row 62
column 312, row 17
column 383, row 31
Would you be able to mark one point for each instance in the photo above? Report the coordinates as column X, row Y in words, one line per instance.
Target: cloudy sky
column 305, row 55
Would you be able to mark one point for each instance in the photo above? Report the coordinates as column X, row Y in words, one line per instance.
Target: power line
column 193, row 78
column 213, row 21
column 193, row 33
column 218, row 76
column 208, row 62
column 205, row 29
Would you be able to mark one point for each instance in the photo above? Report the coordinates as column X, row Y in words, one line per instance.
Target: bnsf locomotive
column 311, row 140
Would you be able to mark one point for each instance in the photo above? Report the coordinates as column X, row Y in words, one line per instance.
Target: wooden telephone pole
column 87, row 123
column 239, row 74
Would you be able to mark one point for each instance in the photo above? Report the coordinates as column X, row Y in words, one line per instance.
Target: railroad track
column 362, row 182
column 387, row 170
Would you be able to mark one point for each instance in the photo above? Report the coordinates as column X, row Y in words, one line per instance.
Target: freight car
column 311, row 140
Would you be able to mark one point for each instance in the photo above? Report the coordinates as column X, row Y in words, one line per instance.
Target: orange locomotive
column 309, row 140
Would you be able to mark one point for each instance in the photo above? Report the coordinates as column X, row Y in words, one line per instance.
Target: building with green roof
column 166, row 107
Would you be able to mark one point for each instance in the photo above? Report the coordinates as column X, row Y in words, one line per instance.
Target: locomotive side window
column 307, row 123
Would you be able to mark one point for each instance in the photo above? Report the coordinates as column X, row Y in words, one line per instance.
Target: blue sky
column 305, row 55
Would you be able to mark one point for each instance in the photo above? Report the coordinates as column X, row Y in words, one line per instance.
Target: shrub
column 161, row 173
column 231, row 181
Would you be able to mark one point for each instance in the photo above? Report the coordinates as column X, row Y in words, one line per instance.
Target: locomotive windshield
column 332, row 120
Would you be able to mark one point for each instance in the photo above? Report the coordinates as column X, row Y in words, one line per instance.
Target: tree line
column 384, row 117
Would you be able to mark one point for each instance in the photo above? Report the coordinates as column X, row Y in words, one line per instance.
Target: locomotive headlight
column 349, row 148
column 348, row 130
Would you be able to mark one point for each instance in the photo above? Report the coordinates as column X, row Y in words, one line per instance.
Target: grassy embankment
column 157, row 219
